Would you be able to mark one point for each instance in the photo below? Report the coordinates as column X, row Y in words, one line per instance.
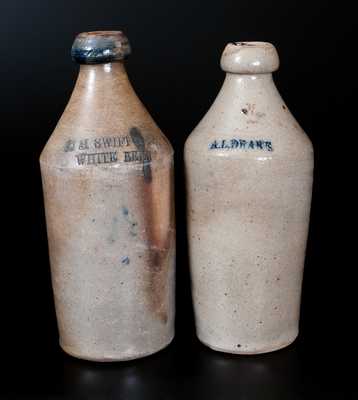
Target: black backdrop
column 175, row 71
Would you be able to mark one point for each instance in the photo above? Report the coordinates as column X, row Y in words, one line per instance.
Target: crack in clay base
column 250, row 353
column 114, row 359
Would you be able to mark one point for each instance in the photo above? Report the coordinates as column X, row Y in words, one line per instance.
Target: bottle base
column 261, row 350
column 114, row 358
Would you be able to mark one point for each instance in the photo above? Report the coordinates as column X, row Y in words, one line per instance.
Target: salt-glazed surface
column 249, row 172
column 108, row 185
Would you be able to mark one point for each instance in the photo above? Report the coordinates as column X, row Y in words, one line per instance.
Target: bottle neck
column 249, row 88
column 102, row 95
column 101, row 79
column 246, row 81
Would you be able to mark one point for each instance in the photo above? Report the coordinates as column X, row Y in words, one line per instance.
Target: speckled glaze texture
column 249, row 172
column 107, row 175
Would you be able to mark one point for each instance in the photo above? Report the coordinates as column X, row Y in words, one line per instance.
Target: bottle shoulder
column 255, row 144
column 104, row 123
column 247, row 112
column 245, row 132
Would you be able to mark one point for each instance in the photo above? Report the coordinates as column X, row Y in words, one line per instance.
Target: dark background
column 175, row 71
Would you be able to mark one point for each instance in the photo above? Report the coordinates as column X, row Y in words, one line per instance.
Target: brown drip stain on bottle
column 159, row 243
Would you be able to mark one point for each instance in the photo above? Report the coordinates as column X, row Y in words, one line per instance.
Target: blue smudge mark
column 125, row 260
column 132, row 223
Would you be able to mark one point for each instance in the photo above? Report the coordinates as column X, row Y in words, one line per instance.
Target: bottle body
column 107, row 175
column 249, row 177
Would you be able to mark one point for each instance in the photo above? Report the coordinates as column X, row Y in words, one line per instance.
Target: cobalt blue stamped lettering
column 241, row 144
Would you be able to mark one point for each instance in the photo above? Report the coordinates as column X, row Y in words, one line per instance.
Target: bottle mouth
column 99, row 47
column 250, row 58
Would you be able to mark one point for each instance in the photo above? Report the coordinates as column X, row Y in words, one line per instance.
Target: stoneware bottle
column 249, row 175
column 107, row 174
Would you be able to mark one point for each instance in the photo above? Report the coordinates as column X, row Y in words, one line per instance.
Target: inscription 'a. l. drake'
column 241, row 144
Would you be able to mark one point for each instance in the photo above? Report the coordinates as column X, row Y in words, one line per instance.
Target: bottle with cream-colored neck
column 107, row 176
column 249, row 168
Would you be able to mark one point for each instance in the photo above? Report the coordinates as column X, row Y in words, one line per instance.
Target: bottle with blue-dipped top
column 107, row 175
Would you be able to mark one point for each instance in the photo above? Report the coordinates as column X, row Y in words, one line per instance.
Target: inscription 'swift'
column 97, row 143
column 241, row 144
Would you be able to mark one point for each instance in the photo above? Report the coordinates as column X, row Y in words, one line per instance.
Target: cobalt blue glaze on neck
column 100, row 47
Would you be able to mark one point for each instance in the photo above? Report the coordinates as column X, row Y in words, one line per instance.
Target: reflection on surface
column 188, row 372
column 138, row 379
column 267, row 376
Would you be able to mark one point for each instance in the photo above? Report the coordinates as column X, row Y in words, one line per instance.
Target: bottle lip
column 250, row 58
column 99, row 47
